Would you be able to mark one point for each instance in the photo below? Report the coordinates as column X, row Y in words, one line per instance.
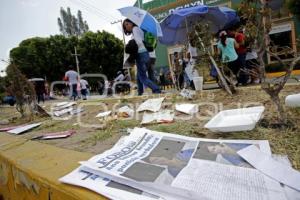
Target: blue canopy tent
column 176, row 26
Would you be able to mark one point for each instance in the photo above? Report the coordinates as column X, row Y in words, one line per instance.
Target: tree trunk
column 226, row 87
column 279, row 107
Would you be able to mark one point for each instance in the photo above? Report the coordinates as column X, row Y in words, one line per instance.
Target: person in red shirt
column 241, row 51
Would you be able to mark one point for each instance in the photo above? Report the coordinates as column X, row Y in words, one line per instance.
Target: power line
column 94, row 10
column 99, row 10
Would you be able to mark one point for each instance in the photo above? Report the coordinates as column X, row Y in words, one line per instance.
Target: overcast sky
column 22, row 19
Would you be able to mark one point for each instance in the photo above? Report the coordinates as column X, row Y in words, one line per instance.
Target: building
column 285, row 27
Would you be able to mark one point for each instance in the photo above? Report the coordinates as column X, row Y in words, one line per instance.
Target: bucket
column 198, row 82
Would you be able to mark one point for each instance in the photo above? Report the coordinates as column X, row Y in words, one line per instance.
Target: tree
column 294, row 7
column 69, row 25
column 21, row 88
column 258, row 25
column 50, row 57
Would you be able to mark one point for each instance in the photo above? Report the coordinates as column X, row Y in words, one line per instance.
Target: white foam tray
column 243, row 119
column 293, row 100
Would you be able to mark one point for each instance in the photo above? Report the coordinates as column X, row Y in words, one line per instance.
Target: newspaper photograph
column 165, row 165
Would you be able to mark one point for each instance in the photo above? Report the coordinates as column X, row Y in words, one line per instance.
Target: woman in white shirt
column 142, row 57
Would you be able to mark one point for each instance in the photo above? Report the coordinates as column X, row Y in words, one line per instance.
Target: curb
column 30, row 170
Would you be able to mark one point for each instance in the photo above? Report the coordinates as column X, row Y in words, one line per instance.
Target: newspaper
column 83, row 177
column 163, row 116
column 170, row 166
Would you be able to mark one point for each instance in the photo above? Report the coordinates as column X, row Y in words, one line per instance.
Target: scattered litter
column 76, row 111
column 189, row 109
column 270, row 167
column 8, row 128
column 65, row 106
column 75, row 124
column 293, row 100
column 125, row 112
column 188, row 94
column 57, row 135
column 243, row 119
column 104, row 114
column 62, row 112
column 164, row 116
column 23, row 129
column 61, row 103
column 175, row 167
column 153, row 105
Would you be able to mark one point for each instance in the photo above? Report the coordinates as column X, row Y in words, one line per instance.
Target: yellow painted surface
column 278, row 74
column 30, row 170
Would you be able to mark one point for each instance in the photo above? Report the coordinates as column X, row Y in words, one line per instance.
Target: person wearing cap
column 229, row 56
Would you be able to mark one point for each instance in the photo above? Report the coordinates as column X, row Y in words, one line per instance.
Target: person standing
column 150, row 66
column 142, row 57
column 177, row 69
column 241, row 51
column 84, row 88
column 72, row 77
column 229, row 56
column 162, row 79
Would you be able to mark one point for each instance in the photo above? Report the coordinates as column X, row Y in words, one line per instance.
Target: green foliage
column 294, row 7
column 20, row 87
column 69, row 25
column 50, row 57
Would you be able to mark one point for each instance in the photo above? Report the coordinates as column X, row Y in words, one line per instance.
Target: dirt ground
column 89, row 138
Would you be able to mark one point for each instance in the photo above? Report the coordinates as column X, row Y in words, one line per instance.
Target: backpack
column 150, row 41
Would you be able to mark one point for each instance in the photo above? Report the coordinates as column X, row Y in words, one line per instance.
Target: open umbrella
column 175, row 26
column 142, row 19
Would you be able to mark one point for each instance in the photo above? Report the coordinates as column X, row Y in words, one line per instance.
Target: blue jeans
column 142, row 79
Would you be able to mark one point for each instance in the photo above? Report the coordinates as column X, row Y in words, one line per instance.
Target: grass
column 282, row 141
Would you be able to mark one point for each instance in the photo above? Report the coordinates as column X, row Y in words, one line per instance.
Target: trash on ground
column 76, row 111
column 293, row 100
column 152, row 105
column 9, row 128
column 189, row 109
column 188, row 94
column 23, row 129
column 163, row 116
column 125, row 112
column 271, row 167
column 65, row 106
column 62, row 112
column 61, row 103
column 57, row 135
column 104, row 114
column 176, row 167
column 243, row 119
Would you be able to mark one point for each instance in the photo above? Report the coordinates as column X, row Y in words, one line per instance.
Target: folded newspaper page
column 83, row 177
column 179, row 167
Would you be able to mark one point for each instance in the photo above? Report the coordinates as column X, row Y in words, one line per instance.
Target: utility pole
column 77, row 61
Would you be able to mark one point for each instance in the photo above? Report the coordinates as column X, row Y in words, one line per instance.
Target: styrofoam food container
column 243, row 119
column 292, row 100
